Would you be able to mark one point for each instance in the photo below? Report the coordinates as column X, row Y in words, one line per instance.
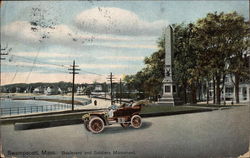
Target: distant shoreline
column 31, row 96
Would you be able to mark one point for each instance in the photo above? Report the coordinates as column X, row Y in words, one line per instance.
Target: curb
column 175, row 113
column 55, row 123
column 46, row 124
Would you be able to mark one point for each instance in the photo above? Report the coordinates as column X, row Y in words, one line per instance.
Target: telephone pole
column 111, row 79
column 73, row 69
column 4, row 49
column 120, row 91
column 2, row 54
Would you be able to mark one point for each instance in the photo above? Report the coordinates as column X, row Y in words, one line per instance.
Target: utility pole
column 110, row 78
column 73, row 69
column 4, row 49
column 1, row 54
column 120, row 91
column 105, row 90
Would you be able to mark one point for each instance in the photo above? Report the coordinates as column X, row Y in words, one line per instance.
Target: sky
column 43, row 38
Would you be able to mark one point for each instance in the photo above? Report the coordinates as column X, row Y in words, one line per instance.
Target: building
column 228, row 90
column 52, row 91
column 98, row 88
column 80, row 90
column 39, row 90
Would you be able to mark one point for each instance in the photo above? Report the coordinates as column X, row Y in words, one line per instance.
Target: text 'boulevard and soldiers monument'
column 170, row 95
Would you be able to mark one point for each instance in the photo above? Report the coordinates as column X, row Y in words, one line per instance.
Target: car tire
column 125, row 125
column 86, row 125
column 136, row 121
column 96, row 125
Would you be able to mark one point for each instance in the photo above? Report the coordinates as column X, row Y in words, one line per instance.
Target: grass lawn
column 164, row 108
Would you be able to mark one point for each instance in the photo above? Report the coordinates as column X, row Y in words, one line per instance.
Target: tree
column 185, row 59
column 217, row 35
column 238, row 60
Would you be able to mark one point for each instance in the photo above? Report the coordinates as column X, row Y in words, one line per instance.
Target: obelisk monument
column 169, row 95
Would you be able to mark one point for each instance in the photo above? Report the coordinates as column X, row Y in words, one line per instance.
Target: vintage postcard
column 125, row 79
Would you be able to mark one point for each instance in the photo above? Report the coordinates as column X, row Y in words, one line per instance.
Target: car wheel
column 96, row 125
column 136, row 121
column 86, row 125
column 125, row 125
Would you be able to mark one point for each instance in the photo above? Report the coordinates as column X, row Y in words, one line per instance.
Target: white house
column 80, row 90
column 98, row 88
column 52, row 91
column 228, row 91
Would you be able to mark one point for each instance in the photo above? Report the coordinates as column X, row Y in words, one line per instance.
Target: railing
column 33, row 109
column 37, row 109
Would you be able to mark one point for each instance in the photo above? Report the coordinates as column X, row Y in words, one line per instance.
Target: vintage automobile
column 126, row 116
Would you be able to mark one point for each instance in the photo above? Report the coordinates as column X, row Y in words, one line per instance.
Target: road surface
column 217, row 134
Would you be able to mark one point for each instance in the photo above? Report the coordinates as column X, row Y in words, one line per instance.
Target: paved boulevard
column 222, row 133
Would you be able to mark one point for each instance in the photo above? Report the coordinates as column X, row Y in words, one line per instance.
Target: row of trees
column 204, row 51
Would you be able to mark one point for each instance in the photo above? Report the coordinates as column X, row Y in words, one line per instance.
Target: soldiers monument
column 170, row 95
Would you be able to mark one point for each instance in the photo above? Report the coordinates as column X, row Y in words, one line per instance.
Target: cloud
column 116, row 21
column 34, row 35
column 103, row 66
column 123, row 58
column 142, row 46
column 45, row 54
column 19, row 31
column 30, row 64
column 29, row 33
column 55, row 77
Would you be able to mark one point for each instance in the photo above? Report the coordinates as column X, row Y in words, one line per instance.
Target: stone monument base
column 170, row 100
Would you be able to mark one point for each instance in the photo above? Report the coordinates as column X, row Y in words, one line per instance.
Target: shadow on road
column 46, row 124
column 119, row 129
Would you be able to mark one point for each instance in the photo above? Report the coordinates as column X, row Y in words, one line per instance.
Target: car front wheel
column 96, row 125
column 136, row 121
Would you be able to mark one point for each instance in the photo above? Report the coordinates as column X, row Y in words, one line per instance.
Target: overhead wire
column 43, row 62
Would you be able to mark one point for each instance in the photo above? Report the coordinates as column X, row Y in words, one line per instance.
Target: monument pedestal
column 170, row 97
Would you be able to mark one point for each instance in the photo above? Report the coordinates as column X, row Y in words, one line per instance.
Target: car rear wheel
column 96, row 125
column 125, row 125
column 136, row 121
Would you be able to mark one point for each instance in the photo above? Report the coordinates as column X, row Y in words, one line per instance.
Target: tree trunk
column 185, row 92
column 237, row 82
column 213, row 90
column 207, row 88
column 199, row 90
column 193, row 91
column 218, row 89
